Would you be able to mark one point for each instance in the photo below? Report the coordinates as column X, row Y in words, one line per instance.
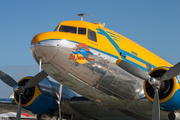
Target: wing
column 100, row 110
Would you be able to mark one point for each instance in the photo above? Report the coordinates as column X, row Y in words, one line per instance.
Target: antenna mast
column 81, row 15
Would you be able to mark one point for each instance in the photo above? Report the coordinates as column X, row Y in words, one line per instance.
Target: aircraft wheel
column 39, row 117
column 171, row 116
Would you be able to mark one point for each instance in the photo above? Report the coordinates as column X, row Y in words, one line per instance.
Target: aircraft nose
column 45, row 46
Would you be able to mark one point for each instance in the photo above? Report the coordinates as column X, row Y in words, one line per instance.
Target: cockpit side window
column 82, row 31
column 92, row 35
column 69, row 29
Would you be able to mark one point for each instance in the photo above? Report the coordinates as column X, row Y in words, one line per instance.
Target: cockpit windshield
column 69, row 29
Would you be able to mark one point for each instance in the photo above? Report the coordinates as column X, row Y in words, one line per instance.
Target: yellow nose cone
column 45, row 36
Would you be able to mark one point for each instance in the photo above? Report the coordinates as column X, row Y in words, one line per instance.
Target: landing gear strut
column 171, row 116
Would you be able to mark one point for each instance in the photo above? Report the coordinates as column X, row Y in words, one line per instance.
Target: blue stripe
column 97, row 50
column 123, row 52
column 89, row 47
column 102, row 32
column 113, row 34
column 105, row 53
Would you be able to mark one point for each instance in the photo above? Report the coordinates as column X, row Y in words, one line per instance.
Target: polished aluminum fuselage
column 99, row 80
column 101, row 74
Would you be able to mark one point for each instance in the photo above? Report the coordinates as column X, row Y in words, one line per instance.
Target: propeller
column 7, row 79
column 172, row 72
column 18, row 115
column 133, row 69
column 154, row 82
column 156, row 106
column 20, row 89
column 36, row 79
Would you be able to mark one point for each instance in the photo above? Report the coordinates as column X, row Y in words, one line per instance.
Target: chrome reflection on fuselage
column 99, row 74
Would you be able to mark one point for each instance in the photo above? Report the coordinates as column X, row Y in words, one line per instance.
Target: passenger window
column 82, row 31
column 69, row 29
column 92, row 35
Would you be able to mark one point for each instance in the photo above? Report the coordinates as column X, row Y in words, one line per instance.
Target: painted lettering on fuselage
column 81, row 54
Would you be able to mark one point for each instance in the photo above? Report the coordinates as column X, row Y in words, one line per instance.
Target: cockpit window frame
column 68, row 29
column 82, row 32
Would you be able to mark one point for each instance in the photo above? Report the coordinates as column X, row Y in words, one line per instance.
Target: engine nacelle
column 38, row 99
column 169, row 92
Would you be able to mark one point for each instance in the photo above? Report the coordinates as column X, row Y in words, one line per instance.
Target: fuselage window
column 92, row 35
column 82, row 31
column 69, row 29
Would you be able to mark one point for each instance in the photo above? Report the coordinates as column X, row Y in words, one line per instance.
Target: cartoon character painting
column 82, row 54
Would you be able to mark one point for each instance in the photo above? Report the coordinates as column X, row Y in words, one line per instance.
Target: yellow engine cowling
column 35, row 99
column 169, row 92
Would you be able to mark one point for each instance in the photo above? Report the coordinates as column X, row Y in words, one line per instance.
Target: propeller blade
column 7, row 79
column 36, row 79
column 174, row 71
column 156, row 106
column 18, row 115
column 133, row 69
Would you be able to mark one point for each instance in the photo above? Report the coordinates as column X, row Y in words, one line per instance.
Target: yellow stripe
column 135, row 61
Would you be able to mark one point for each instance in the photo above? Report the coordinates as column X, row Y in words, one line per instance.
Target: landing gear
column 171, row 116
column 60, row 117
column 72, row 117
column 43, row 117
column 39, row 117
column 57, row 118
column 66, row 117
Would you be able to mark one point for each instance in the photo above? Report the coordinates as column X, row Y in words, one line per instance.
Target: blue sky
column 153, row 24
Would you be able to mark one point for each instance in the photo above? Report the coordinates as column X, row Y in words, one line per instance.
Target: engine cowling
column 169, row 91
column 38, row 99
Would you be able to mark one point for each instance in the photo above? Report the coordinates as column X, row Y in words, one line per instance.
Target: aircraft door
column 102, row 59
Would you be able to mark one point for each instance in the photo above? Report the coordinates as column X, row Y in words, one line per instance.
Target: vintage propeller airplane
column 118, row 78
